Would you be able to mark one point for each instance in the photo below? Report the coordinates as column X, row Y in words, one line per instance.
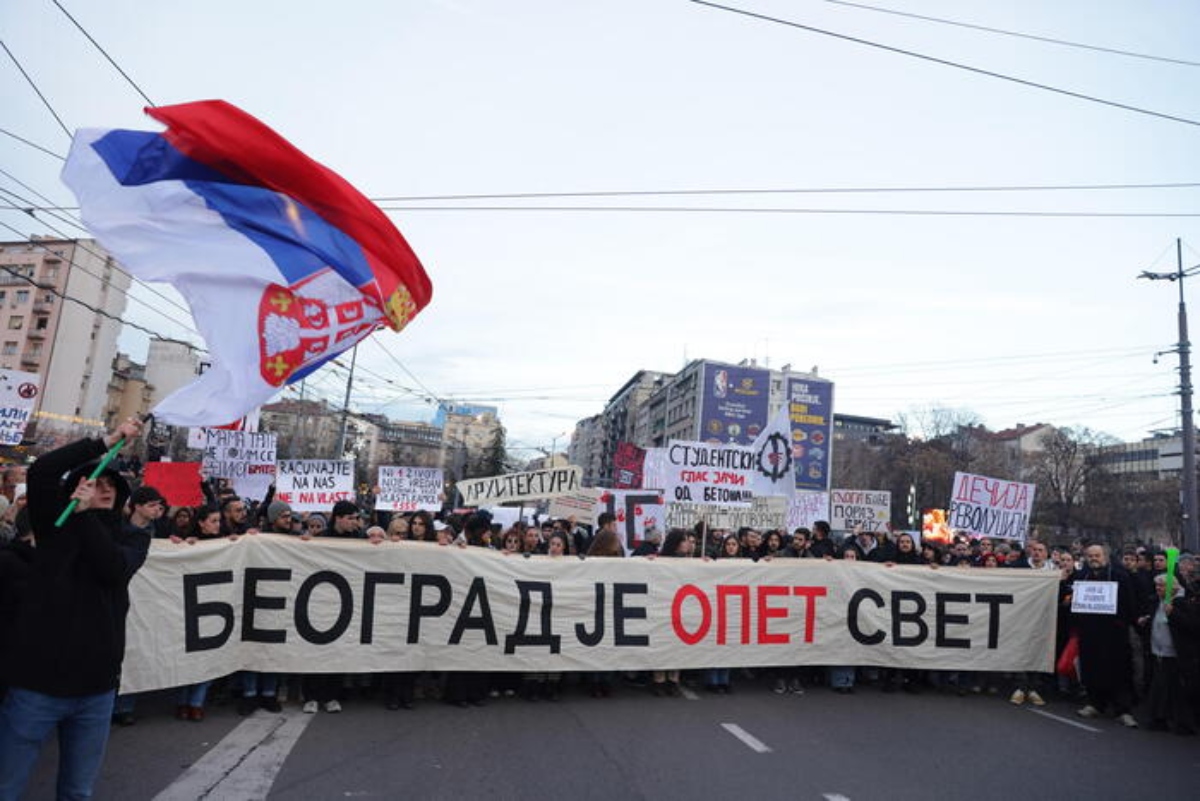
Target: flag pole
column 100, row 468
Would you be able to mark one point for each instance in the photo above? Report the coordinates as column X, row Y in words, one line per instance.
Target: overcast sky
column 547, row 313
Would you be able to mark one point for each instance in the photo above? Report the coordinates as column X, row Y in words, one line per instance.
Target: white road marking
column 835, row 797
column 688, row 694
column 245, row 763
column 1067, row 721
column 746, row 737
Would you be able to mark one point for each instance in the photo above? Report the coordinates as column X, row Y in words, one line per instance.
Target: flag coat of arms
column 283, row 263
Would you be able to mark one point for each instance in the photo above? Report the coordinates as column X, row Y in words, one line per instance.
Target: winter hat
column 275, row 510
column 146, row 494
column 343, row 508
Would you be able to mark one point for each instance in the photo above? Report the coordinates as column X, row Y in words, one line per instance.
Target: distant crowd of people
column 63, row 600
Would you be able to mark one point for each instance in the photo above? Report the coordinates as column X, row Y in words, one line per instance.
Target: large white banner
column 991, row 507
column 314, row 485
column 280, row 604
column 409, row 489
column 18, row 395
column 245, row 458
column 850, row 509
column 534, row 485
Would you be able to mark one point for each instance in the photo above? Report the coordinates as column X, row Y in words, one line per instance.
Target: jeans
column 255, row 684
column 27, row 719
column 193, row 695
column 841, row 676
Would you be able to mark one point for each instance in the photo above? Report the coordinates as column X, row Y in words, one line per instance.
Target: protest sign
column 628, row 465
column 275, row 604
column 534, row 485
column 179, row 482
column 580, row 505
column 197, row 437
column 991, row 507
column 806, row 508
column 869, row 509
column 635, row 510
column 409, row 489
column 763, row 513
column 811, row 409
column 314, row 485
column 245, row 458
column 1094, row 597
column 18, row 396
column 697, row 472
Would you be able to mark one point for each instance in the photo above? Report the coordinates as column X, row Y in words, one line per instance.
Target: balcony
column 36, row 333
column 42, row 307
column 33, row 360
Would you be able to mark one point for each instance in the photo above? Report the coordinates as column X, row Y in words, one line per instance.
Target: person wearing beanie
column 279, row 517
column 68, row 639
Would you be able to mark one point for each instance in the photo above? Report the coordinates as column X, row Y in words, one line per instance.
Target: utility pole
column 341, row 446
column 1191, row 522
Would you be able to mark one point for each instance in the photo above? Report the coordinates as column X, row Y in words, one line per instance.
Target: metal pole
column 341, row 447
column 1191, row 523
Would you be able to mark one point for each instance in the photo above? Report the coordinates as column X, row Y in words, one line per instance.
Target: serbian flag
column 283, row 263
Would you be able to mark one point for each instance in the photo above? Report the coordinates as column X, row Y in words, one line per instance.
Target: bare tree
column 1063, row 470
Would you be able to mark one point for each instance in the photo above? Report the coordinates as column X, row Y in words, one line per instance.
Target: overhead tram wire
column 946, row 62
column 1017, row 34
column 433, row 396
column 845, row 190
column 793, row 210
column 36, row 90
column 104, row 53
column 64, row 237
column 34, row 145
column 86, row 305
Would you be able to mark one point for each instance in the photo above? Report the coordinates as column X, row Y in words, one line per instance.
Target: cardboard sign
column 1094, row 597
column 850, row 509
column 991, row 507
column 409, row 489
column 179, row 482
column 764, row 513
column 581, row 505
column 314, row 485
column 245, row 458
column 18, row 395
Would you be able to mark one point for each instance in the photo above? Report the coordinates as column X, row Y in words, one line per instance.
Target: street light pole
column 1191, row 521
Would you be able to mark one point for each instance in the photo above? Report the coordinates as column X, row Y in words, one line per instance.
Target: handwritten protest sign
column 806, row 508
column 763, row 513
column 18, row 395
column 314, row 485
column 179, row 482
column 245, row 458
column 409, row 489
column 991, row 507
column 534, row 485
column 849, row 509
column 1094, row 597
column 635, row 510
column 580, row 504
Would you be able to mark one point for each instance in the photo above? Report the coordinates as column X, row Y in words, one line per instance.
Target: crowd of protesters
column 1148, row 652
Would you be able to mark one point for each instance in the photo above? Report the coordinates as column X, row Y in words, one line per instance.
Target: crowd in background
column 1145, row 657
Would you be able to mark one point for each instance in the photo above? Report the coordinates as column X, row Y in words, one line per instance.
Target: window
column 22, row 296
column 41, row 323
column 3, row 294
column 35, row 348
column 10, row 349
column 15, row 322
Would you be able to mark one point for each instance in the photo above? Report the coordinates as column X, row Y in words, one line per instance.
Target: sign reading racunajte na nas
column 279, row 604
column 534, row 485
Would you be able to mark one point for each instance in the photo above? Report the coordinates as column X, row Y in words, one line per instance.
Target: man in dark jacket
column 63, row 664
column 1105, row 657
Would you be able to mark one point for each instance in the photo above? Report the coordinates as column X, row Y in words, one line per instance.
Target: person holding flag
column 63, row 663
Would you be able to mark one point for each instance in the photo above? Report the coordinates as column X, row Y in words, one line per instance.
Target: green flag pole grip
column 1169, row 583
column 105, row 462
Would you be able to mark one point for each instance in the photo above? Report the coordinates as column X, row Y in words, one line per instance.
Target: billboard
column 811, row 410
column 733, row 403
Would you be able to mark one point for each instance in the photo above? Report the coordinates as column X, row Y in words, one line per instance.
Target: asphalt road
column 751, row 744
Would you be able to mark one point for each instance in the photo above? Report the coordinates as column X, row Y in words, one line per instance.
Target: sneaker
column 333, row 706
column 270, row 703
column 795, row 687
column 1035, row 698
column 1018, row 697
column 780, row 687
column 311, row 707
column 1088, row 711
column 1127, row 721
